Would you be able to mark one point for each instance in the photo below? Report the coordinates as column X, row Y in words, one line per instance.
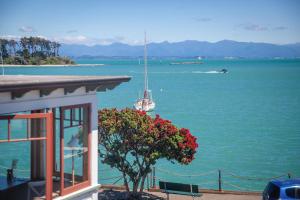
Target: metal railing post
column 220, row 180
column 289, row 175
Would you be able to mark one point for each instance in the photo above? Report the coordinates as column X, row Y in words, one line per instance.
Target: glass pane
column 17, row 179
column 37, row 184
column 3, row 129
column 23, row 163
column 75, row 116
column 274, row 191
column 293, row 192
column 18, row 129
column 57, row 141
column 20, row 161
column 67, row 121
column 56, row 146
column 22, row 129
column 76, row 149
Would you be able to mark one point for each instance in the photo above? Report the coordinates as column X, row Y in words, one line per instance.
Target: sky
column 93, row 22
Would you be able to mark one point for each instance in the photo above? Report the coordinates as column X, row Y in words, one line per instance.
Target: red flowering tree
column 132, row 142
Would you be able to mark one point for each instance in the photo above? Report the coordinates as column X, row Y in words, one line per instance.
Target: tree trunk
column 143, row 183
column 135, row 187
column 136, row 184
column 126, row 182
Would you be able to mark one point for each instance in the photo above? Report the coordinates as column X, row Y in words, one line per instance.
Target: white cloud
column 90, row 41
column 137, row 42
column 119, row 39
column 27, row 29
column 81, row 39
column 253, row 27
column 203, row 19
column 280, row 28
column 258, row 27
column 41, row 36
column 10, row 37
column 15, row 37
column 72, row 31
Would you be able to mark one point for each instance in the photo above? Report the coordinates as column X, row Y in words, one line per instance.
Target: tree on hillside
column 24, row 44
column 12, row 45
column 3, row 48
column 132, row 142
column 32, row 50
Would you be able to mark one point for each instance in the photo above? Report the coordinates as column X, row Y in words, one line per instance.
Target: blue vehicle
column 282, row 189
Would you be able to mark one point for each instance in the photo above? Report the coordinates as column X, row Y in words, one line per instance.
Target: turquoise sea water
column 247, row 121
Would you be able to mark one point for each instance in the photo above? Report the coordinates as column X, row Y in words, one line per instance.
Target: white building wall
column 94, row 144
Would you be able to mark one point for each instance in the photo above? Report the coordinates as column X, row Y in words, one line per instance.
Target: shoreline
column 71, row 65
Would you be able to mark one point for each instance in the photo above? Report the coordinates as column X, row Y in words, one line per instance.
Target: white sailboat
column 145, row 103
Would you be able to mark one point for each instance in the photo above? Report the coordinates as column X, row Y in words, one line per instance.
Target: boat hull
column 144, row 105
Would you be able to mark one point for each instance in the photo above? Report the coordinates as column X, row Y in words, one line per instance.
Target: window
column 273, row 191
column 32, row 133
column 293, row 192
column 72, row 147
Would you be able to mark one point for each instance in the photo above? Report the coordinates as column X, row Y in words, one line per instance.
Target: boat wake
column 208, row 72
column 182, row 72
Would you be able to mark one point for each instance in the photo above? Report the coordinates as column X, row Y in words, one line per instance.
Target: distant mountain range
column 188, row 48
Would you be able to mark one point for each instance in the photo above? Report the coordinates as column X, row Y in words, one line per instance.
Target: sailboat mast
column 145, row 66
